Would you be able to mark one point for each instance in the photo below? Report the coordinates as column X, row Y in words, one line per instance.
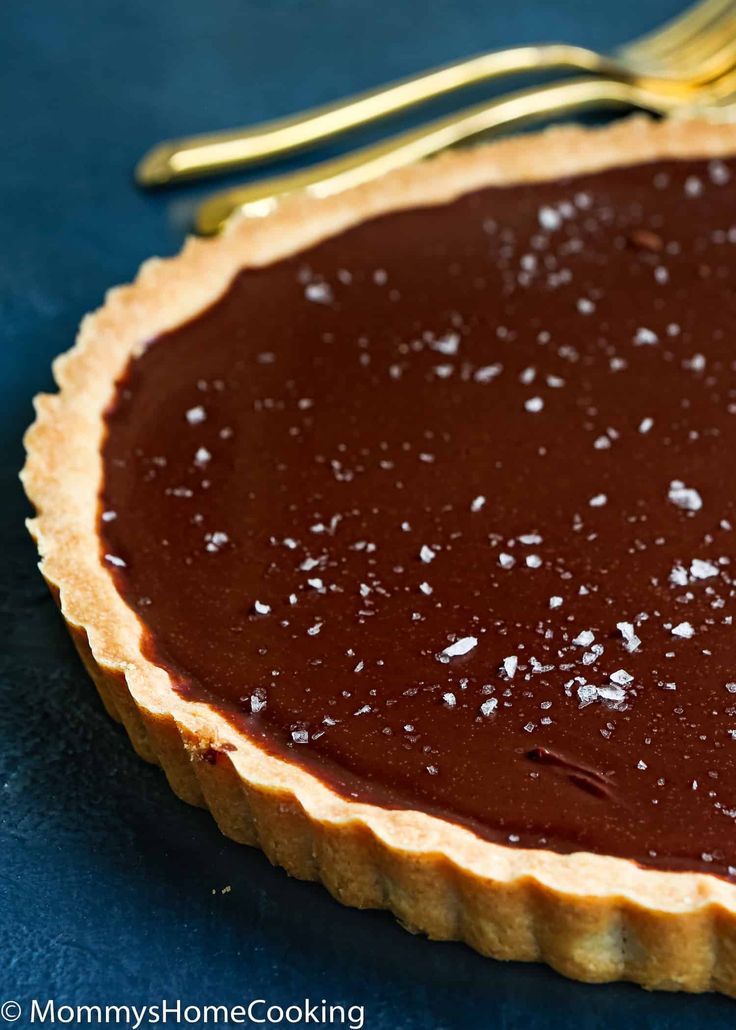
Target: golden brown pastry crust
column 591, row 917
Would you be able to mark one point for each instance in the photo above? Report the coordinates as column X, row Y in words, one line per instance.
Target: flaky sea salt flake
column 446, row 344
column 678, row 576
column 587, row 694
column 318, row 293
column 684, row 497
column 614, row 694
column 645, row 337
column 215, row 541
column 700, row 569
column 621, row 678
column 460, row 647
column 510, row 665
column 487, row 373
column 585, row 638
column 196, row 415
column 626, row 629
column 549, row 218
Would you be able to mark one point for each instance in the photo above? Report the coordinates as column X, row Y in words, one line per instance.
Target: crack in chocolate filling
column 443, row 509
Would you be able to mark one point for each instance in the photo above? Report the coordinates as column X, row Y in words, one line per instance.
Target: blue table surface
column 112, row 889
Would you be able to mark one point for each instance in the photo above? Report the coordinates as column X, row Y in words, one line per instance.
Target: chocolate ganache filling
column 443, row 510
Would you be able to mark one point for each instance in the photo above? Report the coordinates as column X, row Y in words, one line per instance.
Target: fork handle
column 368, row 163
column 195, row 156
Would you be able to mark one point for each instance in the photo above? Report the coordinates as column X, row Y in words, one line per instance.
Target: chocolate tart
column 398, row 528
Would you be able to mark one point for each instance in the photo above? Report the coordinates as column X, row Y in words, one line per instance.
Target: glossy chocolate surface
column 443, row 509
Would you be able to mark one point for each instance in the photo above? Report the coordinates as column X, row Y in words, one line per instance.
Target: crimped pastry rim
column 591, row 916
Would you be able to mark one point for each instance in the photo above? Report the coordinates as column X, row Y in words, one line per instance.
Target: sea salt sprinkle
column 621, row 678
column 700, row 569
column 645, row 337
column 446, row 344
column 510, row 665
column 683, row 630
column 626, row 629
column 196, row 415
column 318, row 293
column 549, row 218
column 684, row 497
column 460, row 647
column 679, row 576
column 487, row 373
column 693, row 186
column 585, row 638
column 215, row 541
column 257, row 702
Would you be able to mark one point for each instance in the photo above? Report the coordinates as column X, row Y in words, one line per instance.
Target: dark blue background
column 110, row 886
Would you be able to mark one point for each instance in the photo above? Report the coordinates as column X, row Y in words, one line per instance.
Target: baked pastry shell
column 592, row 917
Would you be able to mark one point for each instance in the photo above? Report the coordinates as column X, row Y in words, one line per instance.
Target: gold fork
column 715, row 100
column 690, row 50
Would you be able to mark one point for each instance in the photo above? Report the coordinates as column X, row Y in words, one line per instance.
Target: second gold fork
column 368, row 163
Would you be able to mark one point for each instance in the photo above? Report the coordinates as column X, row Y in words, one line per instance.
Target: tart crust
column 591, row 917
